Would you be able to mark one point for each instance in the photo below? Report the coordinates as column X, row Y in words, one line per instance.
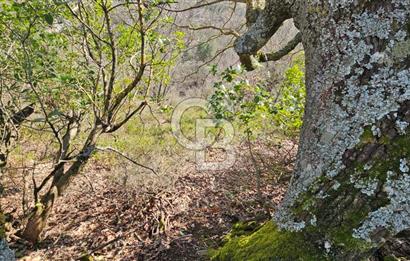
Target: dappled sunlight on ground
column 101, row 216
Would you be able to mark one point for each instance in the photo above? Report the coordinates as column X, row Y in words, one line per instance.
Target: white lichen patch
column 313, row 221
column 403, row 166
column 286, row 222
column 367, row 166
column 366, row 85
column 376, row 131
column 322, row 195
column 377, row 58
column 396, row 216
column 336, row 186
column 402, row 126
column 327, row 246
column 367, row 187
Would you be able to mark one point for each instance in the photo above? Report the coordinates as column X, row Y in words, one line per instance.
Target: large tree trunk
column 351, row 185
column 351, row 188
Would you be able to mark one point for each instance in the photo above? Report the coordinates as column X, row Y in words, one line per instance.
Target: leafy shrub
column 257, row 106
column 290, row 106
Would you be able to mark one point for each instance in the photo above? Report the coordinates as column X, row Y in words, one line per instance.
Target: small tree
column 258, row 105
column 89, row 67
column 260, row 109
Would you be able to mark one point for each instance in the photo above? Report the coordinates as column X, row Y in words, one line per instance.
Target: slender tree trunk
column 37, row 221
column 351, row 188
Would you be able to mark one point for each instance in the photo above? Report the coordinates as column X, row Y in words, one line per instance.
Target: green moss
column 390, row 258
column 306, row 202
column 337, row 211
column 402, row 145
column 318, row 10
column 384, row 140
column 380, row 166
column 242, row 228
column 401, row 50
column 342, row 236
column 353, row 211
column 2, row 225
column 87, row 258
column 268, row 243
column 367, row 136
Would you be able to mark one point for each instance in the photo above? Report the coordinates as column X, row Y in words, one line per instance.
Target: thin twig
column 128, row 158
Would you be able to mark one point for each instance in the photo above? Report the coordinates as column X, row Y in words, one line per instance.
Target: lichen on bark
column 348, row 215
column 352, row 83
column 349, row 191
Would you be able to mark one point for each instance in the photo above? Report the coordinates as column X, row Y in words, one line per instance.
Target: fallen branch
column 128, row 158
column 104, row 245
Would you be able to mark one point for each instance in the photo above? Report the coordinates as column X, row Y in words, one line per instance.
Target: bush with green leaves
column 259, row 108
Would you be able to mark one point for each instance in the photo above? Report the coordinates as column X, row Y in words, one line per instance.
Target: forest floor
column 112, row 220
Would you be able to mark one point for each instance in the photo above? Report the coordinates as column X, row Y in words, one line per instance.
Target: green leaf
column 49, row 18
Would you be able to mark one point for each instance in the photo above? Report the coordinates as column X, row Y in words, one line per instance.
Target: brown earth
column 110, row 220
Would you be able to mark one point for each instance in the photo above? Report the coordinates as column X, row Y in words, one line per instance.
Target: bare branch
column 127, row 118
column 206, row 27
column 202, row 5
column 275, row 56
column 268, row 22
column 112, row 47
column 128, row 158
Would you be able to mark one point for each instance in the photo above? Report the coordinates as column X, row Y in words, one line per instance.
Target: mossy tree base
column 269, row 243
column 335, row 212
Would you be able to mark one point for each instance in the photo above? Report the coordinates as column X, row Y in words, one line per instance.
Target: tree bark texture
column 351, row 188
